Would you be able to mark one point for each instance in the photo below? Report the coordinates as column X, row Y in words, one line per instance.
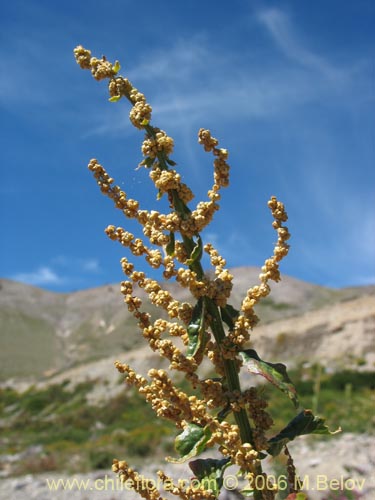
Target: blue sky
column 287, row 87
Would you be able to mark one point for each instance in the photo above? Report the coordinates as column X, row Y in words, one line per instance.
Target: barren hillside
column 46, row 335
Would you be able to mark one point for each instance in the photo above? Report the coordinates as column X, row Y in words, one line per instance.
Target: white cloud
column 179, row 62
column 235, row 247
column 194, row 81
column 228, row 92
column 25, row 59
column 91, row 265
column 42, row 276
column 66, row 268
column 280, row 28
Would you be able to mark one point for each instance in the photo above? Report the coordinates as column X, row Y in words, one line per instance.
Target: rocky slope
column 47, row 338
column 44, row 333
column 340, row 336
column 351, row 460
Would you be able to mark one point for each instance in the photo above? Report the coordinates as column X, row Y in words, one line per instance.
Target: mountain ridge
column 45, row 332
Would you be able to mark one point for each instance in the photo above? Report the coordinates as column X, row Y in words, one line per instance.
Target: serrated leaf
column 210, row 472
column 190, row 443
column 116, row 67
column 229, row 314
column 304, row 423
column 196, row 331
column 114, row 98
column 274, row 372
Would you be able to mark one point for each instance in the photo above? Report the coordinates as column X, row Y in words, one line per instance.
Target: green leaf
column 190, row 443
column 229, row 314
column 210, row 472
column 114, row 98
column 196, row 329
column 196, row 253
column 224, row 412
column 180, row 207
column 304, row 423
column 273, row 372
column 247, row 492
column 147, row 162
column 171, row 244
column 171, row 162
column 116, row 67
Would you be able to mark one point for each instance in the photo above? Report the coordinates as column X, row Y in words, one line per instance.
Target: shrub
column 217, row 412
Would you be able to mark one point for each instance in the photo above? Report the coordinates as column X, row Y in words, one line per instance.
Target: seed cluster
column 139, row 483
column 158, row 143
column 186, row 492
column 172, row 242
column 262, row 420
column 270, row 271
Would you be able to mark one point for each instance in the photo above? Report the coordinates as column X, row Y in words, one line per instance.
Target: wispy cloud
column 340, row 244
column 180, row 62
column 279, row 26
column 77, row 264
column 26, row 59
column 42, row 276
column 198, row 83
column 243, row 93
column 90, row 265
column 62, row 270
column 235, row 248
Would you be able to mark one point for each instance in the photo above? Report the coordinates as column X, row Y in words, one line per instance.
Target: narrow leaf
column 171, row 244
column 180, row 207
column 196, row 253
column 116, row 67
column 191, row 442
column 171, row 162
column 229, row 314
column 224, row 412
column 196, row 330
column 114, row 98
column 147, row 162
column 304, row 423
column 273, row 372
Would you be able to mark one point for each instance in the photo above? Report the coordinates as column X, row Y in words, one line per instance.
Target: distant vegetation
column 61, row 431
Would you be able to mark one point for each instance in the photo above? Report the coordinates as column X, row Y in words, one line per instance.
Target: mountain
column 44, row 333
column 58, row 383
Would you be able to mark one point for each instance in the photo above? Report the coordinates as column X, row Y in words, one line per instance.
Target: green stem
column 216, row 322
column 231, row 373
column 233, row 382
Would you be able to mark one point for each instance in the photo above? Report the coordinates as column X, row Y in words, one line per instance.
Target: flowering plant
column 220, row 413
